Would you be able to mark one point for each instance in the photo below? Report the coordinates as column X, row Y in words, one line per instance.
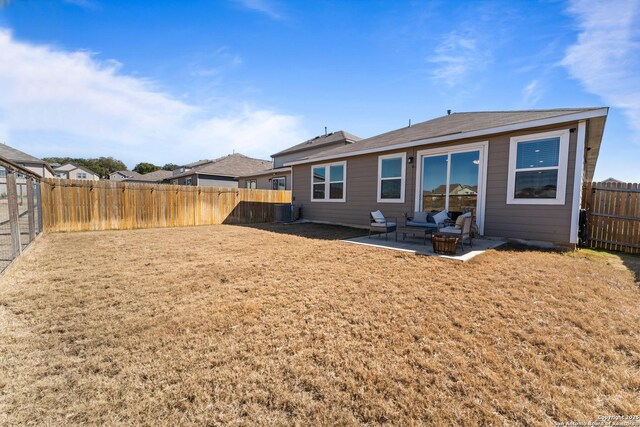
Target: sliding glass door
column 450, row 181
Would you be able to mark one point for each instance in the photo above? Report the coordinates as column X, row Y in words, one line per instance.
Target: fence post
column 31, row 210
column 12, row 199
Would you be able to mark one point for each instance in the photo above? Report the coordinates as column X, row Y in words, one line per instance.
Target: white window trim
column 327, row 182
column 483, row 147
column 563, row 159
column 249, row 182
column 278, row 178
column 403, row 177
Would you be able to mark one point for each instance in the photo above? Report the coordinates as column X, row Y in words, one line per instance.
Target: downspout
column 578, row 175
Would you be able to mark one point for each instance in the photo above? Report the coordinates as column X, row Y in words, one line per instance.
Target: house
column 279, row 176
column 157, row 177
column 222, row 172
column 27, row 161
column 612, row 180
column 122, row 175
column 73, row 171
column 526, row 169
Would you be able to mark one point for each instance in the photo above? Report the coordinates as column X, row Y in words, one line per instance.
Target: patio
column 416, row 245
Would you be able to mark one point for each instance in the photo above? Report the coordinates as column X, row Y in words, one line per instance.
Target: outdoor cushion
column 387, row 224
column 466, row 215
column 420, row 217
column 378, row 217
column 440, row 217
column 430, row 218
column 451, row 230
column 460, row 221
column 422, row 224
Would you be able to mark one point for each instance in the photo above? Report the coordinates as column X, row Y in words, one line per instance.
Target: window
column 81, row 175
column 538, row 168
column 391, row 178
column 328, row 182
column 279, row 183
column 174, row 182
column 187, row 181
column 58, row 174
column 252, row 184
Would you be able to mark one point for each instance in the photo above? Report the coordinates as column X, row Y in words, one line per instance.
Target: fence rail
column 73, row 205
column 613, row 216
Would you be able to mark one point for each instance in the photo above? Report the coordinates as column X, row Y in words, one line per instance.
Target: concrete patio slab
column 416, row 246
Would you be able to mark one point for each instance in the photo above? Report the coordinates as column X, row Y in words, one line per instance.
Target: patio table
column 408, row 229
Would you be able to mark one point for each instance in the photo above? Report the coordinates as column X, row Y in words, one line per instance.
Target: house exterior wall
column 549, row 223
column 263, row 181
column 206, row 181
column 37, row 169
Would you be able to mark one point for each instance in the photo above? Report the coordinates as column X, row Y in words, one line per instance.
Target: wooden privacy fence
column 613, row 216
column 73, row 205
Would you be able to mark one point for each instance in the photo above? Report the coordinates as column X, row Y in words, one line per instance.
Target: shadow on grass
column 632, row 262
column 309, row 230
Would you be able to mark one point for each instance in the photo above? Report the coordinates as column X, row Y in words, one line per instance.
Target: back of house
column 519, row 172
column 278, row 177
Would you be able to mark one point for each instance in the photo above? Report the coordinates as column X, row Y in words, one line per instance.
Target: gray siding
column 530, row 222
column 263, row 182
column 207, row 181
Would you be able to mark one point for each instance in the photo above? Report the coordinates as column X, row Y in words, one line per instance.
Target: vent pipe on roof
column 409, row 122
column 325, row 131
column 448, row 112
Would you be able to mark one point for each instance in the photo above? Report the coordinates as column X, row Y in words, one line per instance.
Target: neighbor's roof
column 128, row 173
column 321, row 141
column 17, row 156
column 198, row 163
column 454, row 126
column 155, row 176
column 232, row 165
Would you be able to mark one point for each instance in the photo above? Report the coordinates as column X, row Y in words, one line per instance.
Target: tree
column 103, row 166
column 143, row 168
column 170, row 167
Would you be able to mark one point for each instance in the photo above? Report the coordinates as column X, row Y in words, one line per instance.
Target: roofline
column 297, row 150
column 77, row 166
column 275, row 171
column 8, row 164
column 598, row 112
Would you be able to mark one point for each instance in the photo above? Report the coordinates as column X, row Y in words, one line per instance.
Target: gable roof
column 232, row 165
column 155, row 176
column 17, row 156
column 456, row 126
column 321, row 141
column 474, row 125
column 127, row 174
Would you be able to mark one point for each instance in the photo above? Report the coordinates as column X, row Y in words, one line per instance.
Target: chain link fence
column 20, row 211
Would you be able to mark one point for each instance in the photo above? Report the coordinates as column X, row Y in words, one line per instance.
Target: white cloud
column 456, row 57
column 606, row 56
column 266, row 7
column 532, row 93
column 69, row 103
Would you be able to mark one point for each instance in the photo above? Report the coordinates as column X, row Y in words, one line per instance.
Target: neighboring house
column 151, row 177
column 122, row 175
column 527, row 169
column 73, row 171
column 613, row 181
column 279, row 176
column 222, row 172
column 35, row 165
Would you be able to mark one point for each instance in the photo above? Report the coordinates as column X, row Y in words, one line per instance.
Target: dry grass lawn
column 284, row 325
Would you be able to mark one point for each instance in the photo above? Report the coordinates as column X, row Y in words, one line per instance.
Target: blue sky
column 176, row 82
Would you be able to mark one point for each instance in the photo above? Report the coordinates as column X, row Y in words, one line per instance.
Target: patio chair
column 461, row 229
column 379, row 224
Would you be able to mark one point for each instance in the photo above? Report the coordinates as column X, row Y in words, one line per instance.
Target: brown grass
column 244, row 326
